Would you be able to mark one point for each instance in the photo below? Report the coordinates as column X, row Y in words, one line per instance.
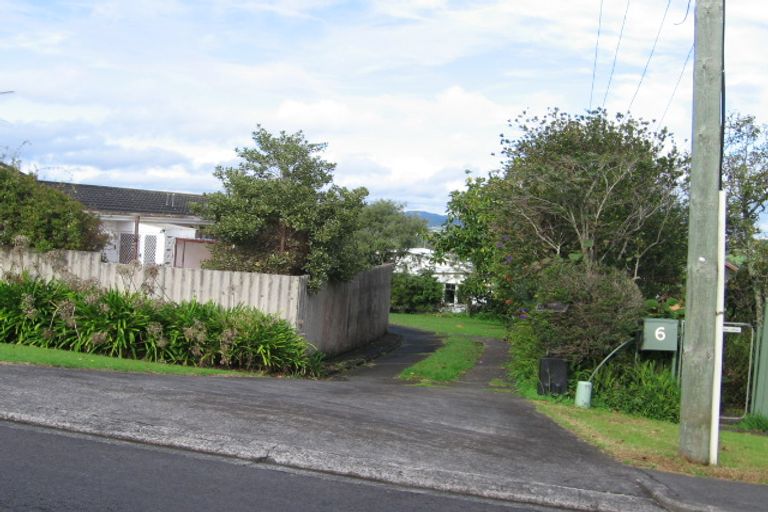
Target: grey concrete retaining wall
column 338, row 318
column 343, row 316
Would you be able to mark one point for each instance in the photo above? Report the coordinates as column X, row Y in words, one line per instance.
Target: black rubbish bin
column 553, row 376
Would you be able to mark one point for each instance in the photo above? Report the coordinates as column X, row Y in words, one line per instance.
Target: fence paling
column 338, row 318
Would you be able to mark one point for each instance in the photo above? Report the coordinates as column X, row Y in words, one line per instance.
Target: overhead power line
column 616, row 53
column 597, row 46
column 687, row 10
column 677, row 84
column 650, row 56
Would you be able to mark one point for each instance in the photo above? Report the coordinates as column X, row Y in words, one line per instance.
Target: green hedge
column 84, row 319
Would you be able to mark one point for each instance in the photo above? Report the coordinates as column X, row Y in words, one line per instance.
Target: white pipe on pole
column 714, row 434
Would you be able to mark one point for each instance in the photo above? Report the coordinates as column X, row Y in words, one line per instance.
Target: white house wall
column 111, row 251
column 157, row 231
column 165, row 242
column 420, row 260
column 449, row 272
column 172, row 232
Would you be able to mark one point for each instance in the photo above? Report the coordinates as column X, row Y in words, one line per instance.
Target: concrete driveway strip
column 462, row 439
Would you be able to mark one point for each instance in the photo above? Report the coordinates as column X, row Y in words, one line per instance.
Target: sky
column 408, row 95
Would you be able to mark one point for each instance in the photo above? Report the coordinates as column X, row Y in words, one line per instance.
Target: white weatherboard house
column 450, row 273
column 151, row 226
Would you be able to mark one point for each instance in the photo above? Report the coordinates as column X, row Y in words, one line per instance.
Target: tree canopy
column 44, row 218
column 281, row 213
column 386, row 232
column 583, row 187
column 745, row 177
column 745, row 180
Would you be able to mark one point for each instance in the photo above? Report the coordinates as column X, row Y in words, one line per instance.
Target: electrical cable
column 687, row 10
column 616, row 53
column 674, row 91
column 597, row 45
column 650, row 56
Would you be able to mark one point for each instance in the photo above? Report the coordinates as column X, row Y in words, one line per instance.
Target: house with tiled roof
column 152, row 226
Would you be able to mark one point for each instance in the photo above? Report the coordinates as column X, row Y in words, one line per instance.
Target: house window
column 450, row 293
column 150, row 249
column 127, row 247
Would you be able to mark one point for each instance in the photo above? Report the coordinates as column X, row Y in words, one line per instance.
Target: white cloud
column 408, row 94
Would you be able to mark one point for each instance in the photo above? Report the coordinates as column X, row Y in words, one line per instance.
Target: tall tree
column 602, row 190
column 386, row 232
column 470, row 233
column 745, row 177
column 584, row 187
column 281, row 213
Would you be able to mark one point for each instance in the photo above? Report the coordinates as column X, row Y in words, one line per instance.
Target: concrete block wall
column 344, row 316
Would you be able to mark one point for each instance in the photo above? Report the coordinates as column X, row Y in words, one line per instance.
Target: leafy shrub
column 668, row 307
column 52, row 315
column 525, row 350
column 604, row 309
column 415, row 293
column 46, row 218
column 646, row 388
column 280, row 212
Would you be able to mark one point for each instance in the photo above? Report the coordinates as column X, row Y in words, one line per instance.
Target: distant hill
column 434, row 220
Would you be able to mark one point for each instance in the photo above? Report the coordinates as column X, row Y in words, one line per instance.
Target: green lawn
column 654, row 444
column 447, row 364
column 460, row 351
column 66, row 359
column 451, row 324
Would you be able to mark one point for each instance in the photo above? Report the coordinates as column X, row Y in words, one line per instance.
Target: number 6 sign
column 660, row 334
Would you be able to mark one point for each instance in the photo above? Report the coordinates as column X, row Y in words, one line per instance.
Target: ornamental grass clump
column 644, row 388
column 130, row 325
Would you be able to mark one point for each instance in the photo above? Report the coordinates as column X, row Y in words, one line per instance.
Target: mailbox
column 660, row 334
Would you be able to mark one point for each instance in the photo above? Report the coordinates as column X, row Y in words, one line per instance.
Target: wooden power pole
column 699, row 408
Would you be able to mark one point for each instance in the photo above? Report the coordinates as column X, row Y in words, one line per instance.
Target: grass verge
column 446, row 324
column 753, row 423
column 67, row 359
column 448, row 363
column 654, row 444
column 459, row 352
